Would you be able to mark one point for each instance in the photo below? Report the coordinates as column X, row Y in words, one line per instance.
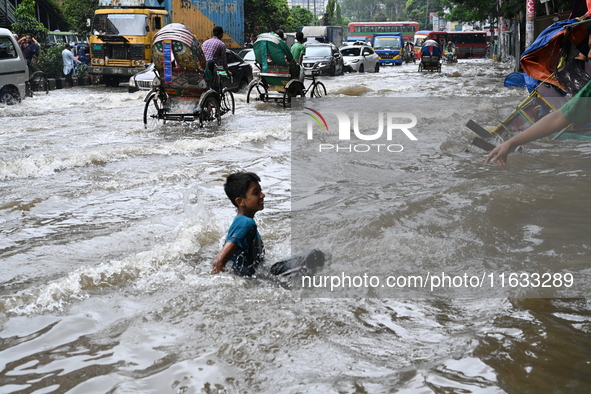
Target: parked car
column 244, row 51
column 241, row 72
column 324, row 58
column 14, row 72
column 241, row 75
column 247, row 55
column 360, row 58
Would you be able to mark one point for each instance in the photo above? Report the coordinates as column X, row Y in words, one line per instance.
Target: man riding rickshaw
column 182, row 89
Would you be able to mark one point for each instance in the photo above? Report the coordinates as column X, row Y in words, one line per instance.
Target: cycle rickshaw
column 430, row 56
column 279, row 77
column 183, row 89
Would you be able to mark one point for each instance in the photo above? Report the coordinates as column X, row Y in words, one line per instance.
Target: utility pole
column 501, row 24
column 529, row 22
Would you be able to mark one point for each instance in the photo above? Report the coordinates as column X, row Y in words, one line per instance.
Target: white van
column 14, row 72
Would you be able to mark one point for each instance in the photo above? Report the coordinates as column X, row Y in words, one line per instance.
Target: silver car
column 360, row 58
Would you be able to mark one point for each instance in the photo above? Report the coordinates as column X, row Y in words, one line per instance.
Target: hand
column 499, row 154
column 219, row 262
column 218, row 266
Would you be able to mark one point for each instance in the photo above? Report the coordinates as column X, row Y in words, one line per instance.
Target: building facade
column 317, row 7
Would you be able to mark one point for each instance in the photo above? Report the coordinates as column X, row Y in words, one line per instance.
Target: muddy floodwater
column 108, row 229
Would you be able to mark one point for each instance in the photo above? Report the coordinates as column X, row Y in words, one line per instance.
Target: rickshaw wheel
column 227, row 102
column 292, row 90
column 420, row 67
column 256, row 92
column 153, row 114
column 210, row 111
column 318, row 90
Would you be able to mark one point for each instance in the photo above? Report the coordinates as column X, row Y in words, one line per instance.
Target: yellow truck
column 121, row 41
column 122, row 31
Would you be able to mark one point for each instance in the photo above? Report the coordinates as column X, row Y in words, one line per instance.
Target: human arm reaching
column 549, row 124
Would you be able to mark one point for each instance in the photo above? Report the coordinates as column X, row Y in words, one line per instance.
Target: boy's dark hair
column 237, row 185
column 280, row 33
column 300, row 37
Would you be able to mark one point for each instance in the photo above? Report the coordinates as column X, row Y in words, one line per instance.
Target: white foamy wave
column 42, row 165
column 150, row 264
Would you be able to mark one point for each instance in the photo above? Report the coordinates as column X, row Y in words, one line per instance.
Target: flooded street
column 107, row 232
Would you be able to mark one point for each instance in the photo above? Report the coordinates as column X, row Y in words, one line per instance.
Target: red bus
column 364, row 31
column 468, row 43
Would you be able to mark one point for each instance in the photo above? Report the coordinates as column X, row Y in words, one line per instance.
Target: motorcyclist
column 409, row 51
column 450, row 48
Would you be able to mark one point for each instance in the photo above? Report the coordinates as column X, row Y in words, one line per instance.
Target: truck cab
column 388, row 46
column 121, row 41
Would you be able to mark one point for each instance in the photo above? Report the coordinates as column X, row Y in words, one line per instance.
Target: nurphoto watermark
column 348, row 131
column 393, row 190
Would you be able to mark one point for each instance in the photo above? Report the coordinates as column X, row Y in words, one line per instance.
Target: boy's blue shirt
column 243, row 233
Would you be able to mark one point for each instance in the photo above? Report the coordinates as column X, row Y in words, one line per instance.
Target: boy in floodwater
column 244, row 245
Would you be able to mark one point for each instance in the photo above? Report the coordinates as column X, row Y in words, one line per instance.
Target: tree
column 263, row 16
column 77, row 12
column 51, row 62
column 298, row 17
column 469, row 10
column 27, row 22
column 332, row 16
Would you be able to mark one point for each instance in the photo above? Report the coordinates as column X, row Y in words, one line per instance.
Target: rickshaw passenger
column 451, row 47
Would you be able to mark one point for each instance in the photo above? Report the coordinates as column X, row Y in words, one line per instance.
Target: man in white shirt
column 69, row 60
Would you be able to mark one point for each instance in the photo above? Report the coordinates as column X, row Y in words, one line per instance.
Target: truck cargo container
column 332, row 34
column 123, row 31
